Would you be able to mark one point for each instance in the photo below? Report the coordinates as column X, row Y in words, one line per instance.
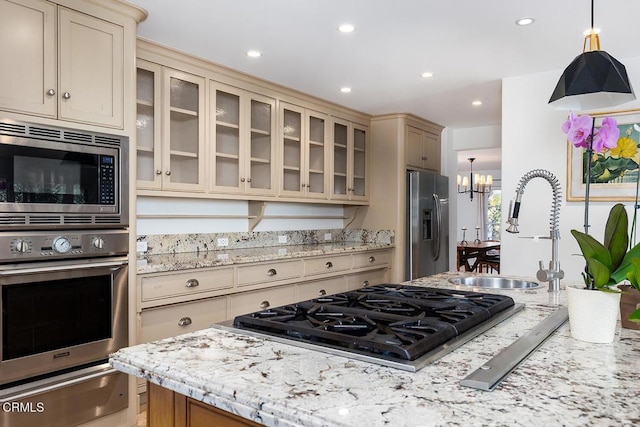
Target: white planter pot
column 593, row 315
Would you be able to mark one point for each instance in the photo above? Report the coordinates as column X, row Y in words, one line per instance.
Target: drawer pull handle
column 372, row 259
column 192, row 283
column 329, row 264
column 365, row 283
column 264, row 304
column 66, row 95
column 51, row 92
column 185, row 321
column 322, row 292
column 271, row 272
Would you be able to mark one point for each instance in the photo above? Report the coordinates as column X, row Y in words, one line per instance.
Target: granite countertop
column 187, row 260
column 565, row 382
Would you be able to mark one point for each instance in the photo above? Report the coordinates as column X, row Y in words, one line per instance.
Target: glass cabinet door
column 226, row 139
column 148, row 129
column 184, row 130
column 261, row 145
column 292, row 149
column 339, row 183
column 317, row 150
column 358, row 183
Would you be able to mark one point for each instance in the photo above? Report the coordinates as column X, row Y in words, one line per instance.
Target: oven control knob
column 98, row 242
column 21, row 246
column 61, row 244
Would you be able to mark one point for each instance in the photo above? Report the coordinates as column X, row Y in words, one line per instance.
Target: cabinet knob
column 264, row 304
column 248, row 179
column 66, row 95
column 365, row 283
column 51, row 92
column 271, row 272
column 192, row 283
column 303, row 185
column 158, row 172
column 242, row 179
column 425, row 158
column 372, row 259
column 185, row 321
column 322, row 292
column 168, row 173
column 329, row 264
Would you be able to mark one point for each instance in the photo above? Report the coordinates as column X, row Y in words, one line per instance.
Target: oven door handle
column 114, row 265
column 85, row 375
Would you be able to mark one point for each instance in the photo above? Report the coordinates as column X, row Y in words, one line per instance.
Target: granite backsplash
column 175, row 243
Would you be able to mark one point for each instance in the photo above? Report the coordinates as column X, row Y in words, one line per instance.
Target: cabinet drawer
column 318, row 288
column 269, row 272
column 169, row 321
column 248, row 302
column 193, row 282
column 368, row 278
column 327, row 264
column 368, row 259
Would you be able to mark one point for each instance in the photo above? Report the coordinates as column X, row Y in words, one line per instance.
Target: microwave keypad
column 107, row 181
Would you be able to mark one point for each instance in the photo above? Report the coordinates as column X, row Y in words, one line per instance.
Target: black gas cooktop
column 405, row 327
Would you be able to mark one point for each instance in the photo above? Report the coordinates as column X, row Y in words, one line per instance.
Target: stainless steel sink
column 494, row 282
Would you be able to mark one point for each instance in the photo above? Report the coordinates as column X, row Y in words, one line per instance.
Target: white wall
column 531, row 139
column 160, row 215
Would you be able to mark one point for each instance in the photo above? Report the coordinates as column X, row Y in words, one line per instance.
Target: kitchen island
column 565, row 382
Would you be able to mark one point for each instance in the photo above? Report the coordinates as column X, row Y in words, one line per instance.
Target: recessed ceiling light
column 254, row 54
column 346, row 28
column 427, row 74
column 523, row 22
column 476, row 103
column 345, row 89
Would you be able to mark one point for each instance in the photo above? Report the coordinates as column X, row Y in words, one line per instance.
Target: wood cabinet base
column 166, row 408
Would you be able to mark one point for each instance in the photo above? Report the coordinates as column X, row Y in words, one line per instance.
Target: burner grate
column 388, row 321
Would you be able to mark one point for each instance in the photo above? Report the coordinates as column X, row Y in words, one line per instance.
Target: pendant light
column 593, row 80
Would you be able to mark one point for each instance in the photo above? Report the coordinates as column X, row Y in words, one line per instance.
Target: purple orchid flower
column 578, row 130
column 607, row 136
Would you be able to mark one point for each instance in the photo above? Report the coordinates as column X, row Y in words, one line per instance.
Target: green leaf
column 615, row 234
column 635, row 316
column 621, row 272
column 592, row 249
column 599, row 272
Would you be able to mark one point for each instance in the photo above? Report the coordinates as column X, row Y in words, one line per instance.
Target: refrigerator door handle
column 436, row 240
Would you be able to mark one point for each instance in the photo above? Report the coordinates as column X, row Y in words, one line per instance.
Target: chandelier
column 478, row 184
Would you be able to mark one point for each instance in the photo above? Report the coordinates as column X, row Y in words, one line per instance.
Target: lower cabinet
column 170, row 409
column 177, row 319
column 247, row 302
column 320, row 288
column 367, row 278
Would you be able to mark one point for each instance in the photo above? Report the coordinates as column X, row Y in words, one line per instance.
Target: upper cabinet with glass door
column 349, row 166
column 242, row 141
column 305, row 151
column 170, row 129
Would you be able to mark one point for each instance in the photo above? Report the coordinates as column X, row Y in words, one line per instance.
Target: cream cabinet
column 349, row 161
column 60, row 63
column 423, row 149
column 367, row 278
column 242, row 141
column 305, row 152
column 170, row 129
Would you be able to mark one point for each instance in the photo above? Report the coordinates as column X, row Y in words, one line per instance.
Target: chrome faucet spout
column 554, row 273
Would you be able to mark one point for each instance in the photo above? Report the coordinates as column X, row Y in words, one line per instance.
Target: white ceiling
column 469, row 45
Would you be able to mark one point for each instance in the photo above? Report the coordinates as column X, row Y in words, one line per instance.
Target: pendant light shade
column 593, row 80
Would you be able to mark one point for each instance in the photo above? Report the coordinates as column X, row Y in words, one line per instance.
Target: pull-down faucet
column 554, row 273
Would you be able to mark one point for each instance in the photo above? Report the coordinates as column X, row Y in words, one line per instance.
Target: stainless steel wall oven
column 63, row 273
column 61, row 178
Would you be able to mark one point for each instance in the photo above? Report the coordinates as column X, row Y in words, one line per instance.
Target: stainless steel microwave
column 54, row 177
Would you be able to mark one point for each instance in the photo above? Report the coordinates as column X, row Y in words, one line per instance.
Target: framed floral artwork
column 614, row 171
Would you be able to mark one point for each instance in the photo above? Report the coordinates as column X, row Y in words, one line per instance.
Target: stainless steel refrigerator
column 427, row 224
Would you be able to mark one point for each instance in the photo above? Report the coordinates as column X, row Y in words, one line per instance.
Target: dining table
column 471, row 253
